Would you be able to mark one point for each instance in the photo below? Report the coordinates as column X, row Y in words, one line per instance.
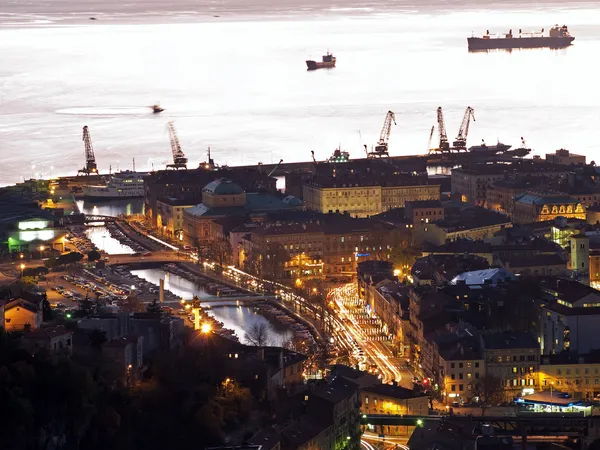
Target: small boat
column 157, row 109
column 328, row 62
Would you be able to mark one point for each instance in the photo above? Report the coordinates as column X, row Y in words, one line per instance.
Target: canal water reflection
column 237, row 318
column 100, row 236
column 131, row 206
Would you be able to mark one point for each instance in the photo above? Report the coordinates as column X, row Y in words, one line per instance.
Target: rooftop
column 349, row 180
column 509, row 340
column 389, row 390
column 47, row 333
column 301, row 432
column 223, row 186
column 487, row 276
column 567, row 290
column 336, row 391
column 533, row 261
column 539, row 199
column 468, row 218
column 424, row 204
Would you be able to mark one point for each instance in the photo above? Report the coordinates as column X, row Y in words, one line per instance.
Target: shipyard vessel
column 120, row 185
column 328, row 62
column 558, row 37
column 491, row 149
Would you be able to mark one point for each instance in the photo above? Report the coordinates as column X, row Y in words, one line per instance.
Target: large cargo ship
column 120, row 185
column 491, row 149
column 327, row 63
column 558, row 37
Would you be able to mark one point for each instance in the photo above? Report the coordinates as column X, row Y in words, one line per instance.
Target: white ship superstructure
column 120, row 185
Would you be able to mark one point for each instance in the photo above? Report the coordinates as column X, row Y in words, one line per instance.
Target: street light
column 22, row 269
column 206, row 328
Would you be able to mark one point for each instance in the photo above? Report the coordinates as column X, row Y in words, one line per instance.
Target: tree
column 258, row 335
column 86, row 307
column 28, row 281
column 94, row 255
column 490, row 391
column 51, row 262
column 221, row 250
column 97, row 338
column 153, row 308
column 46, row 309
column 69, row 258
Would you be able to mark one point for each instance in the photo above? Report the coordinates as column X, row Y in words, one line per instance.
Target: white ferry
column 121, row 184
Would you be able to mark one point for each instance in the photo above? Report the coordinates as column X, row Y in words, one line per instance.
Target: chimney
column 261, row 353
column 161, row 290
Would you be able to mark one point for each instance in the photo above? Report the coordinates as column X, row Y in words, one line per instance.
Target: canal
column 102, row 239
column 237, row 318
column 130, row 207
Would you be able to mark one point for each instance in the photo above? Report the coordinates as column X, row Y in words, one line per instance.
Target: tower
column 580, row 258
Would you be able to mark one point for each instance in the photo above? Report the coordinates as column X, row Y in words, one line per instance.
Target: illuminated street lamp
column 22, row 269
column 206, row 328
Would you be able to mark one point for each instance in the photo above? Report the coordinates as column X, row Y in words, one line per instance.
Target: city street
column 375, row 346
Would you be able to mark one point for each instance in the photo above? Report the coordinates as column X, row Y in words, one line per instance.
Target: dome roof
column 223, row 186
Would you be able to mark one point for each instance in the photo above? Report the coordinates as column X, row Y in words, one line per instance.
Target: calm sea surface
column 238, row 83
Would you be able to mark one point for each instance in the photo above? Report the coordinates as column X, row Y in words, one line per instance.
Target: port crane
column 179, row 158
column 461, row 140
column 90, row 159
column 381, row 149
column 260, row 166
column 444, row 145
column 430, row 139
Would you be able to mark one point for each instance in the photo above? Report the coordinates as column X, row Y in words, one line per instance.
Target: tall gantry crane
column 444, row 145
column 381, row 149
column 90, row 159
column 179, row 158
column 461, row 140
column 429, row 149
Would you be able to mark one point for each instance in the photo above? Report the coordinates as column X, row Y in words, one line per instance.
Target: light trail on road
column 377, row 353
column 400, row 441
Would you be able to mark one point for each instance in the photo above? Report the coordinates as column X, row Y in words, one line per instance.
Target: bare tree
column 258, row 335
column 490, row 391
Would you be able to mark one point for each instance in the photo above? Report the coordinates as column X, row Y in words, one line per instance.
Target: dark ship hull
column 489, row 149
column 314, row 65
column 477, row 43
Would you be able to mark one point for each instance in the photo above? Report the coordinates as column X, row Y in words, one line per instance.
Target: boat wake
column 123, row 111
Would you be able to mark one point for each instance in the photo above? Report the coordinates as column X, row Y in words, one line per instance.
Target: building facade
column 514, row 359
column 169, row 216
column 529, row 208
column 362, row 197
column 565, row 157
column 461, row 368
column 392, row 399
column 570, row 317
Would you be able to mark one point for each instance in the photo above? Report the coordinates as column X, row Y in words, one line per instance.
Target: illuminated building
column 577, row 375
column 513, row 358
column 392, row 399
column 529, row 208
column 366, row 196
column 461, row 367
column 25, row 227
